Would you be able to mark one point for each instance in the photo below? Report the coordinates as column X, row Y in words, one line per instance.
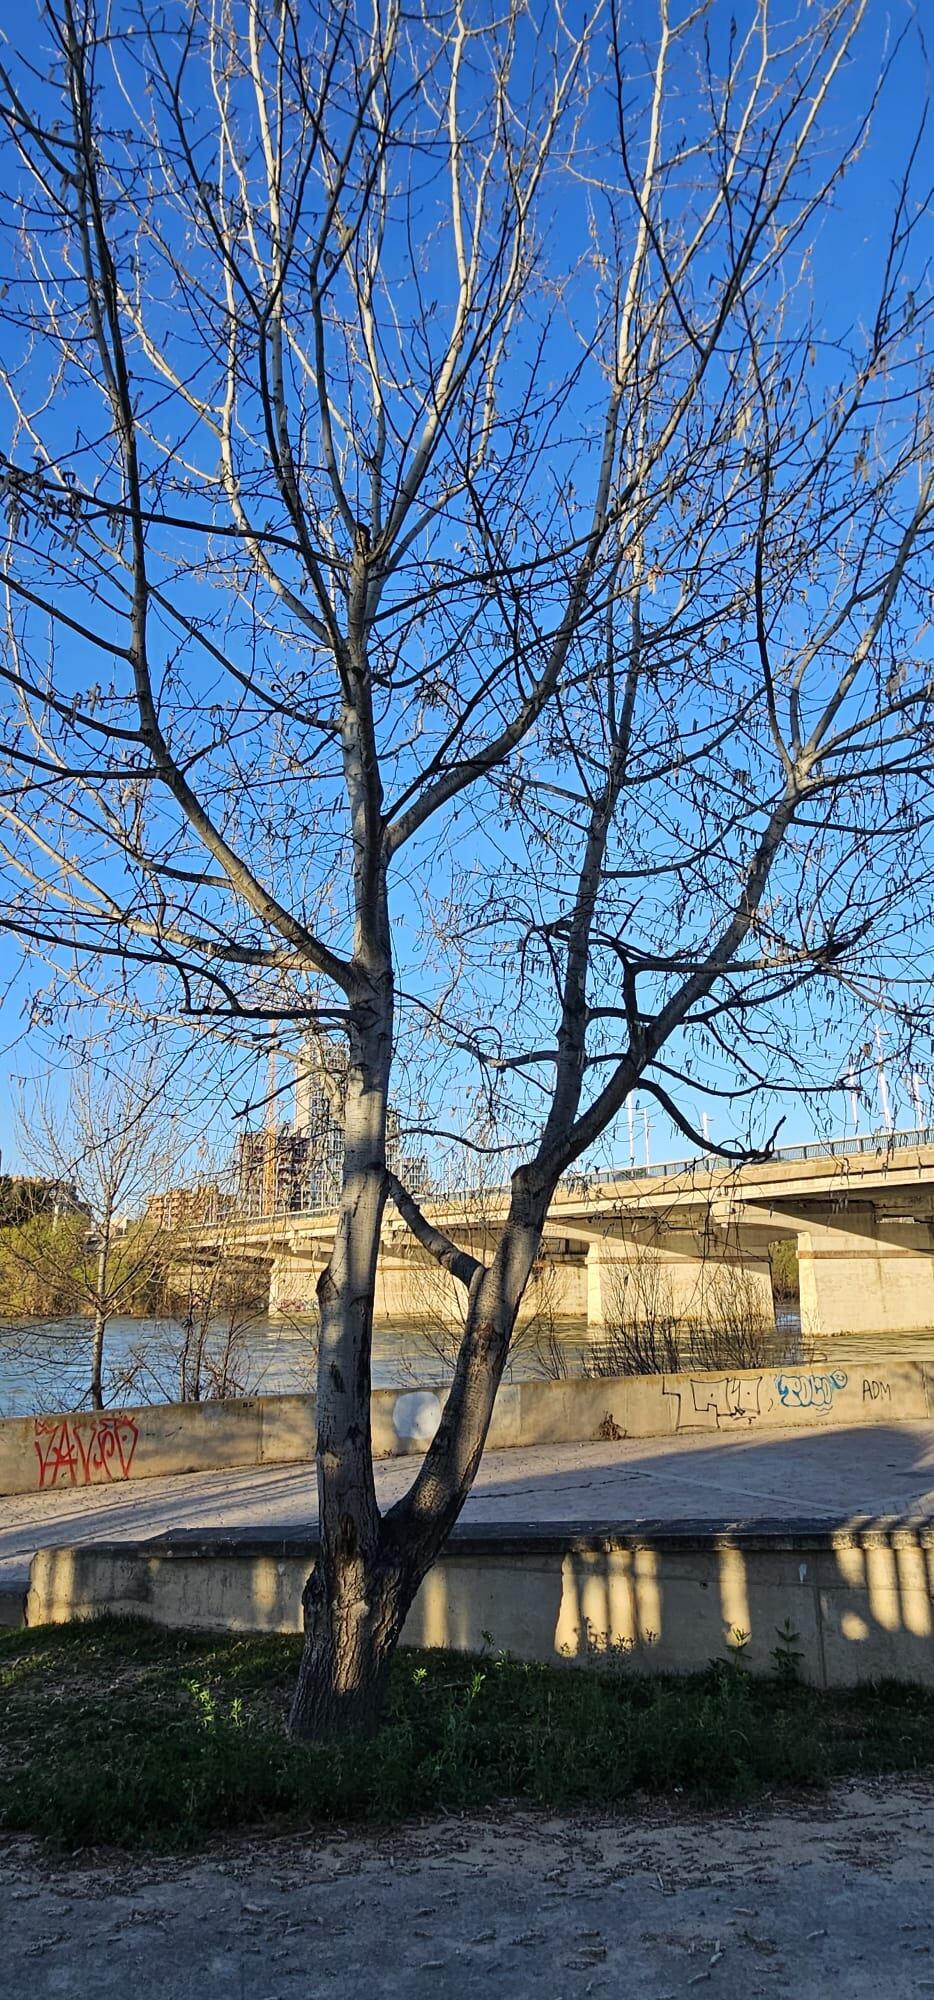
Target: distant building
column 272, row 1170
column 318, row 1129
column 300, row 1166
column 410, row 1168
column 178, row 1208
column 23, row 1196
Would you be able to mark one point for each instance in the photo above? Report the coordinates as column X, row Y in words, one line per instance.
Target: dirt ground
column 814, row 1897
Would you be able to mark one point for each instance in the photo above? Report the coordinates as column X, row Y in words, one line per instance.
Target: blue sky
column 846, row 263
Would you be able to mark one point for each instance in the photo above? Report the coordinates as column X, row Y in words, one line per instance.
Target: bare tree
column 108, row 1149
column 215, row 1302
column 466, row 591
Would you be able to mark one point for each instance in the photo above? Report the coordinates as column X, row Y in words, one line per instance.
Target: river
column 44, row 1365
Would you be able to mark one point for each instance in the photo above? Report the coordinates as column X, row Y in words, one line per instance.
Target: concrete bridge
column 685, row 1240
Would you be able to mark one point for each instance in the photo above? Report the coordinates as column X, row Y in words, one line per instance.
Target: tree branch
column 459, row 1262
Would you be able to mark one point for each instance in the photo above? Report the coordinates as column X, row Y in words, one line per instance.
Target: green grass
column 119, row 1733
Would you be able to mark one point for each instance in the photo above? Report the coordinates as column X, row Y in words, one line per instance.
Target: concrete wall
column 732, row 1405
column 861, row 1604
column 99, row 1448
column 90, row 1448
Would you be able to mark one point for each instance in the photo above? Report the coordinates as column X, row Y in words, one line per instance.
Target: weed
column 123, row 1734
column 737, row 1644
column 786, row 1655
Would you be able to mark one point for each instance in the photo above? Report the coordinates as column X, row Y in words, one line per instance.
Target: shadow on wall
column 853, row 1597
column 839, row 1595
column 857, row 1608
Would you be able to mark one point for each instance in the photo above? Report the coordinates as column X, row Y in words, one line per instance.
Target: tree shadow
column 842, row 1594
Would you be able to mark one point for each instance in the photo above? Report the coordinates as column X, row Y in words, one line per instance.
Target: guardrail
column 816, row 1149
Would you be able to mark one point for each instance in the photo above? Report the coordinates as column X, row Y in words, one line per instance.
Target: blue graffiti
column 809, row 1392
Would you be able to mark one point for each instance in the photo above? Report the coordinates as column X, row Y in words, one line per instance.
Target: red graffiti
column 84, row 1451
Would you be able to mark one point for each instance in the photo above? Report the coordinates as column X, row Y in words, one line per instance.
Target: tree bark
column 351, row 1600
column 100, row 1328
column 97, row 1361
column 354, row 1611
column 358, row 1596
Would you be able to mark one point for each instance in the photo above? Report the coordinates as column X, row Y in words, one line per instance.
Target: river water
column 44, row 1366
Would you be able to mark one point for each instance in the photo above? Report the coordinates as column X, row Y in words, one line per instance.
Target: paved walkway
column 780, row 1475
column 832, row 1896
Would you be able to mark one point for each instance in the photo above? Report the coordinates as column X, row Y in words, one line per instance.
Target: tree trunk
column 97, row 1360
column 351, row 1634
column 97, row 1339
column 100, row 1323
column 370, row 1567
column 351, row 1601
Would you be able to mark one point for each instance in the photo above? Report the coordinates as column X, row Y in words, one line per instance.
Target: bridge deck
column 843, row 1168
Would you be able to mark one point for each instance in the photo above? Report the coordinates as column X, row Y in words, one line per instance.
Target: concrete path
column 780, row 1475
column 824, row 1899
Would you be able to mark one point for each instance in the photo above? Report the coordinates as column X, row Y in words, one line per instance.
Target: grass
column 122, row 1734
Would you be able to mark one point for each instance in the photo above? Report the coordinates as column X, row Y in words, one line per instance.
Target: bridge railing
column 815, row 1149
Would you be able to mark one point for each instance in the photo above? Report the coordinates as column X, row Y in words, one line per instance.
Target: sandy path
column 814, row 1898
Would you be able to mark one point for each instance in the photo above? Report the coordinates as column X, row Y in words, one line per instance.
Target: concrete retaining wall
column 94, row 1448
column 91, row 1448
column 663, row 1599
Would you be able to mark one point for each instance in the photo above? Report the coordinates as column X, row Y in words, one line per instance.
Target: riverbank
column 79, row 1449
column 44, row 1364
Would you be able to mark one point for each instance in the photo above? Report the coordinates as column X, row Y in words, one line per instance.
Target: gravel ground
column 833, row 1896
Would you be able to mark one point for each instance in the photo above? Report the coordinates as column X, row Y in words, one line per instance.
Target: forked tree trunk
column 367, row 1575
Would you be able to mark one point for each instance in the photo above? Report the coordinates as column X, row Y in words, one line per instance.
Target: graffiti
column 84, row 1451
column 809, row 1392
column 726, row 1401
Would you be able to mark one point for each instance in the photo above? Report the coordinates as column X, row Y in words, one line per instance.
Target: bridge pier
column 292, row 1280
column 677, row 1274
column 865, row 1272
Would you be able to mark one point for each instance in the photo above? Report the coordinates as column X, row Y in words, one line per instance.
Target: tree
column 215, row 1302
column 108, row 1150
column 466, row 597
column 39, row 1259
